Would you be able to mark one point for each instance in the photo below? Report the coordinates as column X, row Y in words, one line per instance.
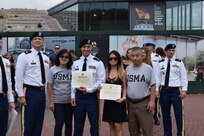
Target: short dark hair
column 56, row 45
column 63, row 51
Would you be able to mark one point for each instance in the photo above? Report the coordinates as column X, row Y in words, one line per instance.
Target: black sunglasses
column 113, row 58
column 64, row 57
column 57, row 48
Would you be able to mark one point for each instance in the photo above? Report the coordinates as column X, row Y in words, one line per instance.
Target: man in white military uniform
column 6, row 96
column 31, row 70
column 172, row 77
column 86, row 98
column 155, row 58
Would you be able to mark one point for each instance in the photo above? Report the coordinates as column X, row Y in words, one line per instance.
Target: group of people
column 147, row 81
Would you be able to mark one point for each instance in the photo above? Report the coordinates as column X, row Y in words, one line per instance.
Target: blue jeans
column 3, row 115
column 63, row 114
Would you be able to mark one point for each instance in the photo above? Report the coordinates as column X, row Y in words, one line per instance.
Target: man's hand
column 51, row 105
column 183, row 94
column 157, row 94
column 11, row 105
column 150, row 106
column 22, row 100
column 83, row 90
column 73, row 102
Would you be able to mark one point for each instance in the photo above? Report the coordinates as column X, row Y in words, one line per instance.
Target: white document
column 11, row 119
column 82, row 79
column 110, row 91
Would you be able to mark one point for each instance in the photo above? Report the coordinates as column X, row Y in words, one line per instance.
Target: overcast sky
column 29, row 4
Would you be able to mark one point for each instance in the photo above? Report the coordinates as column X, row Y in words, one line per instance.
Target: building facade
column 124, row 15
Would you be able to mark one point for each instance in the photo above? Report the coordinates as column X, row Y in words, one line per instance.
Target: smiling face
column 86, row 50
column 64, row 59
column 37, row 43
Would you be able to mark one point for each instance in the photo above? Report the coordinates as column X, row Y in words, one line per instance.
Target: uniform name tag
column 33, row 63
column 176, row 66
column 92, row 67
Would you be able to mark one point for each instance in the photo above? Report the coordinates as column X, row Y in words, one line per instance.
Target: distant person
column 160, row 51
column 128, row 60
column 9, row 56
column 6, row 96
column 141, row 95
column 59, row 93
column 199, row 74
column 54, row 55
column 73, row 53
column 146, row 56
column 114, row 111
column 155, row 58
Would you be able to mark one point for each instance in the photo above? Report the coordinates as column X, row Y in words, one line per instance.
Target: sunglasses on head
column 64, row 57
column 113, row 58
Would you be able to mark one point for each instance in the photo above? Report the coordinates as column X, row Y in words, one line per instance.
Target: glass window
column 188, row 17
column 168, row 19
column 84, row 16
column 122, row 16
column 196, row 15
column 109, row 16
column 96, row 16
column 175, row 18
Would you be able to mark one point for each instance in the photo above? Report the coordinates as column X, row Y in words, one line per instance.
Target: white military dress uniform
column 29, row 84
column 170, row 95
column 8, row 77
column 88, row 102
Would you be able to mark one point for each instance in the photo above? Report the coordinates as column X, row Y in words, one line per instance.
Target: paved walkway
column 194, row 121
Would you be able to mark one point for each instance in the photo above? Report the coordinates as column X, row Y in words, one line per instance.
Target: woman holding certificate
column 59, row 92
column 114, row 112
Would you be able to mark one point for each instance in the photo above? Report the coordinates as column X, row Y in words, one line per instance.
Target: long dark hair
column 119, row 64
column 61, row 53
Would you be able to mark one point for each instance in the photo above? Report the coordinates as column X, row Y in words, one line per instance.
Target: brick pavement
column 194, row 121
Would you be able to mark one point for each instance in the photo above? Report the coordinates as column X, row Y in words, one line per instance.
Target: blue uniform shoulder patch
column 161, row 60
column 97, row 59
column 178, row 60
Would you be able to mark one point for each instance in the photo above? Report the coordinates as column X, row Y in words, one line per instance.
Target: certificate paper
column 81, row 79
column 110, row 92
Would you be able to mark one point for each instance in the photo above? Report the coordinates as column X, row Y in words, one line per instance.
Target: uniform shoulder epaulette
column 27, row 51
column 178, row 60
column 97, row 59
column 161, row 60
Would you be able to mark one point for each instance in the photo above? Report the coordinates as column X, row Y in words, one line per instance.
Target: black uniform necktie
column 42, row 68
column 167, row 74
column 84, row 65
column 3, row 73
